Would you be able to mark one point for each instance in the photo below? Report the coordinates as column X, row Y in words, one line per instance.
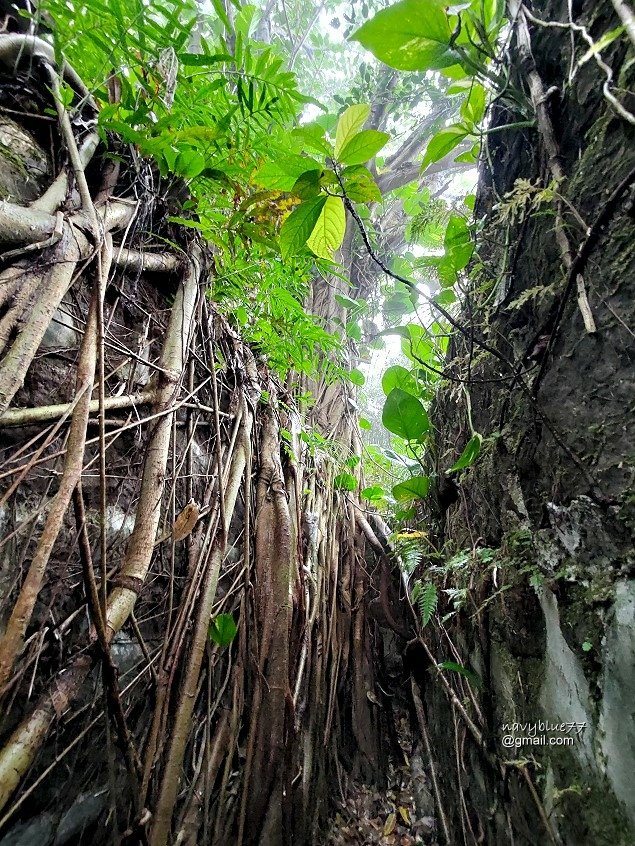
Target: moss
column 584, row 804
column 16, row 161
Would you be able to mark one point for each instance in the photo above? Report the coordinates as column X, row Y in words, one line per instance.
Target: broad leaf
column 349, row 124
column 329, row 229
column 298, row 227
column 602, row 42
column 312, row 135
column 469, row 454
column 189, row 163
column 307, row 185
column 222, row 630
column 373, row 493
column 410, row 35
column 345, row 482
column 349, row 303
column 359, row 185
column 458, row 242
column 356, row 377
column 415, row 488
column 404, row 415
column 443, row 143
column 473, row 108
column 398, row 377
column 363, row 147
column 281, row 174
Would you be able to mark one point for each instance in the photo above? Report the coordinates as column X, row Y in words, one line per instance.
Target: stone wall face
column 545, row 517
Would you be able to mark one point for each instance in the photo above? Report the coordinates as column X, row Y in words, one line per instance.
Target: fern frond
column 426, row 597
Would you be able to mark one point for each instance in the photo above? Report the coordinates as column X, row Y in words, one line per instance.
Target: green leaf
column 349, row 124
column 328, row 232
column 197, row 60
column 363, row 147
column 189, row 163
column 307, row 185
column 425, row 596
column 459, row 668
column 345, row 482
column 410, row 35
column 354, row 330
column 473, row 108
column 222, row 630
column 469, row 454
column 458, row 242
column 219, row 8
column 312, row 134
column 399, row 377
column 356, row 377
column 359, row 185
column 347, row 302
column 365, row 424
column 297, row 228
column 446, row 297
column 281, row 174
column 602, row 42
column 470, row 156
column 415, row 488
column 373, row 492
column 404, row 415
column 443, row 143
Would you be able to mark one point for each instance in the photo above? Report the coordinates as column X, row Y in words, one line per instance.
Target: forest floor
column 400, row 814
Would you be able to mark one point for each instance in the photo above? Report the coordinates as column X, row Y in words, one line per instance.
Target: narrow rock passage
column 400, row 814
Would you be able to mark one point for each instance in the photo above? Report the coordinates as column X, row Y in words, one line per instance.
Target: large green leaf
column 328, row 232
column 404, row 415
column 373, row 492
column 415, row 488
column 398, row 377
column 356, row 377
column 473, row 107
column 458, row 242
column 410, row 35
column 281, row 174
column 443, row 143
column 298, row 227
column 222, row 630
column 349, row 124
column 363, row 147
column 359, row 185
column 345, row 482
column 307, row 185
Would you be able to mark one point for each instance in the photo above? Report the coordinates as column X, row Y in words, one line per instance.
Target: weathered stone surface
column 550, row 627
column 24, row 165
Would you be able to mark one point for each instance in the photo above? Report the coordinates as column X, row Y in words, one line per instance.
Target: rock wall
column 539, row 541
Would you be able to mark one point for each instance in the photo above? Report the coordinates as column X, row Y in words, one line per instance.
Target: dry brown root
column 12, row 641
column 182, row 721
column 265, row 773
column 21, row 748
column 55, row 282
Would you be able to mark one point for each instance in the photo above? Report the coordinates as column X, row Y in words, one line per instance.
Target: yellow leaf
column 403, row 813
column 390, row 824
